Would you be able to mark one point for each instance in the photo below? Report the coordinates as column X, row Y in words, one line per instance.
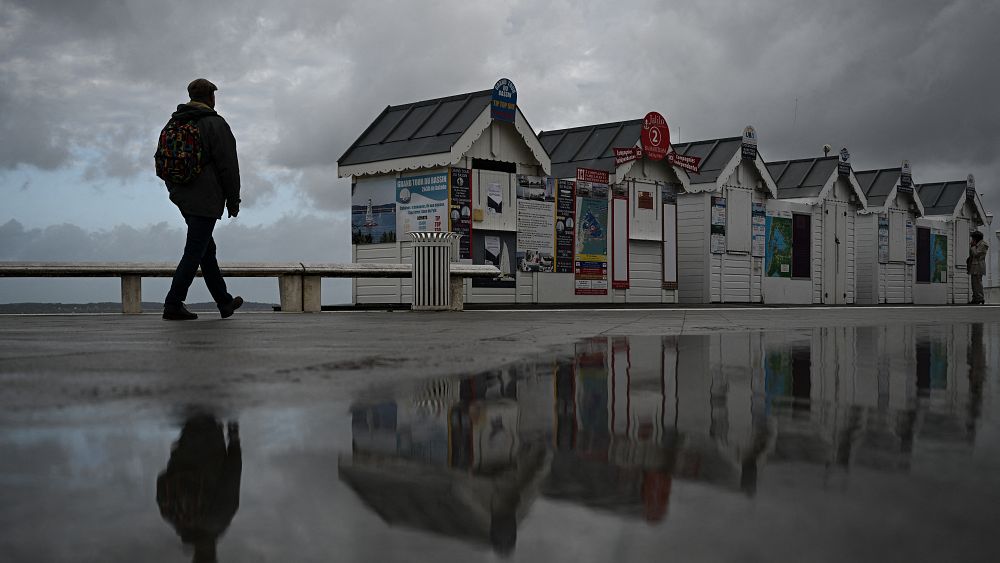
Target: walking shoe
column 178, row 313
column 227, row 310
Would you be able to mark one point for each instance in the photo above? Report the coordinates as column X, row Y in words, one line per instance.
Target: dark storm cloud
column 301, row 80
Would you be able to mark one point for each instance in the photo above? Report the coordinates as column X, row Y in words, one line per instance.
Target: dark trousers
column 199, row 250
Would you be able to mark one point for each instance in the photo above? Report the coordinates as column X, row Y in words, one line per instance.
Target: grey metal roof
column 589, row 146
column 804, row 177
column 877, row 184
column 715, row 154
column 417, row 129
column 941, row 198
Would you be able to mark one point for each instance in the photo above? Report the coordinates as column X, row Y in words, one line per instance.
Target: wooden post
column 312, row 287
column 290, row 289
column 131, row 295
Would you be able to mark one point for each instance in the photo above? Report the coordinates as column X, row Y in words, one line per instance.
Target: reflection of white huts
column 885, row 251
column 720, row 258
column 952, row 210
column 818, row 202
column 647, row 247
column 452, row 137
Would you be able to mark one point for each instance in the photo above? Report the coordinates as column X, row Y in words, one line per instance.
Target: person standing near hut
column 976, row 264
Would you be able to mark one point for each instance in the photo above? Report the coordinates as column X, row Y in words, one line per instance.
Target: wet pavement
column 728, row 437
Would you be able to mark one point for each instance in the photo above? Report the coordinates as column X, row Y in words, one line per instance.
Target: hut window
column 801, row 245
column 923, row 255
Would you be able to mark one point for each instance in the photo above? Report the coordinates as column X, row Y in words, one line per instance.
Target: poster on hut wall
column 461, row 210
column 536, row 223
column 422, row 203
column 565, row 226
column 758, row 230
column 494, row 199
column 778, row 255
column 495, row 248
column 591, row 266
column 883, row 239
column 911, row 242
column 939, row 257
column 373, row 211
column 718, row 227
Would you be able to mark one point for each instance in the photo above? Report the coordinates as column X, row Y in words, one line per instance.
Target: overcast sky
column 85, row 86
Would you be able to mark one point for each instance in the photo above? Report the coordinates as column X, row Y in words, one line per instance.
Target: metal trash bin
column 432, row 270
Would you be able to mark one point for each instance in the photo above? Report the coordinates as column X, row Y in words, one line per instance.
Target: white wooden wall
column 382, row 290
column 646, row 274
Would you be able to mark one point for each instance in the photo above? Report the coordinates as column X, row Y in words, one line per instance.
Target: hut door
column 835, row 253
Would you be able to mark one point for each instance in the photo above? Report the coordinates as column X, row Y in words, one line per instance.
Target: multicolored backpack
column 179, row 152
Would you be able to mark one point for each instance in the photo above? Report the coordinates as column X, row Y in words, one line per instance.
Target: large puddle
column 828, row 444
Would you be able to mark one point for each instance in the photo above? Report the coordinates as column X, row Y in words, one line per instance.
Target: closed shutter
column 897, row 236
column 738, row 221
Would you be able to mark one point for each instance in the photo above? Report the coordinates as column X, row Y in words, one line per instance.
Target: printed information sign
column 758, row 229
column 778, row 257
column 503, row 102
column 460, row 180
column 883, row 239
column 422, row 203
column 591, row 266
column 373, row 212
column 939, row 257
column 565, row 226
column 718, row 227
column 911, row 242
column 535, row 223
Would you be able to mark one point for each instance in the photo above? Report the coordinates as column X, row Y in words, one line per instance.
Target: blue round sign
column 504, row 101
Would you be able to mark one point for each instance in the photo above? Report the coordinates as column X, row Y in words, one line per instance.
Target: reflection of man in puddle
column 199, row 491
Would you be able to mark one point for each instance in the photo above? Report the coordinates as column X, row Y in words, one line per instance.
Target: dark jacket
column 976, row 262
column 218, row 185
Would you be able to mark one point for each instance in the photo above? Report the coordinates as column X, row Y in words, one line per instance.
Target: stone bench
column 299, row 283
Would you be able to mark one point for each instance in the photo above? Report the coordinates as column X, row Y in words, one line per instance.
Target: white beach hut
column 809, row 256
column 885, row 257
column 437, row 165
column 952, row 211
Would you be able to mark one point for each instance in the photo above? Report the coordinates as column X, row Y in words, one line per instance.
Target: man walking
column 196, row 158
column 976, row 263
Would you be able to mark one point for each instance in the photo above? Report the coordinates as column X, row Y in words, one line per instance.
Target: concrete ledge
column 141, row 269
column 299, row 283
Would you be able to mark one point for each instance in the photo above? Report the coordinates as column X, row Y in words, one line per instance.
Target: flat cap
column 201, row 88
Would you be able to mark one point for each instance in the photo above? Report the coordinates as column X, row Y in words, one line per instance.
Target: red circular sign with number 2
column 655, row 136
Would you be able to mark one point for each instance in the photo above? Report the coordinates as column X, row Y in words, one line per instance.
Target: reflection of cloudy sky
column 95, row 500
column 86, row 85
